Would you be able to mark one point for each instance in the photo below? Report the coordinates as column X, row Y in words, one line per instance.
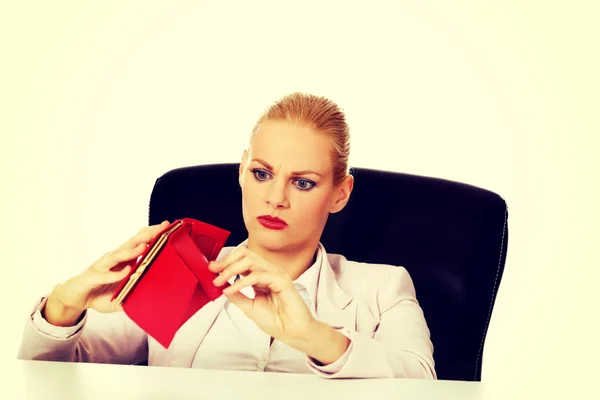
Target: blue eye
column 304, row 184
column 260, row 175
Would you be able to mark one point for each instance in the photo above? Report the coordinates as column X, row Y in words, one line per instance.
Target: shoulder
column 345, row 269
column 385, row 282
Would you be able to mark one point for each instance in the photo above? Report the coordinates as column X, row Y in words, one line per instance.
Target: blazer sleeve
column 400, row 346
column 99, row 338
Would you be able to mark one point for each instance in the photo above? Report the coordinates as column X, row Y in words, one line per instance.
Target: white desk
column 65, row 381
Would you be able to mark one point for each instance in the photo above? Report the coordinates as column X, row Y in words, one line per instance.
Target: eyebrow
column 295, row 173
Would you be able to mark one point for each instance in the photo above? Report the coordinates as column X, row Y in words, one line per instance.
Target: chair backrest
column 451, row 237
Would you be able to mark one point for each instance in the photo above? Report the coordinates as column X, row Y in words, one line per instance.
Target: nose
column 276, row 196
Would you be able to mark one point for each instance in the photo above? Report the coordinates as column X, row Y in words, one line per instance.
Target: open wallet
column 171, row 281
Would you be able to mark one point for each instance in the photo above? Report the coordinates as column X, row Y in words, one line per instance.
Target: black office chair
column 451, row 237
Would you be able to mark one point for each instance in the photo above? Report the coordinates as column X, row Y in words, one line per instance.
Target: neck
column 294, row 261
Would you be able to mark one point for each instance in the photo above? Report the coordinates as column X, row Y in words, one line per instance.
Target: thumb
column 243, row 302
column 112, row 277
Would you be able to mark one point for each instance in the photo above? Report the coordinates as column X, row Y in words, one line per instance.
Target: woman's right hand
column 94, row 288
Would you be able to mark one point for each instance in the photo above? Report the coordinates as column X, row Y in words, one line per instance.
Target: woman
column 291, row 306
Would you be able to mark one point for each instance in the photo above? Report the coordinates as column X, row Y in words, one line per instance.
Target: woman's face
column 287, row 173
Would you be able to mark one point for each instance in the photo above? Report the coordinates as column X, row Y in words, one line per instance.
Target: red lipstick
column 271, row 222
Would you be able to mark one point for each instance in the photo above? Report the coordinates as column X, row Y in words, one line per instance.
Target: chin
column 270, row 240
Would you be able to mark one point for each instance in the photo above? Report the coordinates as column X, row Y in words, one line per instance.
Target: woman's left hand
column 277, row 307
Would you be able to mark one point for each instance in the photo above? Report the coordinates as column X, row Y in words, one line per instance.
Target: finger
column 113, row 277
column 242, row 301
column 146, row 234
column 247, row 264
column 118, row 257
column 264, row 279
column 237, row 255
column 124, row 255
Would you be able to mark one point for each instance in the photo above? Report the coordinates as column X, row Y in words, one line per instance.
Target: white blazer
column 376, row 304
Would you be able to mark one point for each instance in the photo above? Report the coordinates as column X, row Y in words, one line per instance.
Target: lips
column 274, row 219
column 271, row 222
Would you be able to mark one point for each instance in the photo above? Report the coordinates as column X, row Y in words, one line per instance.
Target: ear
column 242, row 166
column 342, row 194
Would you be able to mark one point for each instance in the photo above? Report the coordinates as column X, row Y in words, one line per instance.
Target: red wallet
column 171, row 281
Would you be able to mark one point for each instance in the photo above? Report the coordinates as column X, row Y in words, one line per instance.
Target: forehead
column 288, row 144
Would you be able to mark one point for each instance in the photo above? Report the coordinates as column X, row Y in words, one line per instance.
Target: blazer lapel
column 334, row 306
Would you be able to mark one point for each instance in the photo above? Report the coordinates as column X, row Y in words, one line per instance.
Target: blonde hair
column 321, row 115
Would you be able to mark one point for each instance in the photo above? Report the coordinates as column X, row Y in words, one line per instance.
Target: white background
column 100, row 99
